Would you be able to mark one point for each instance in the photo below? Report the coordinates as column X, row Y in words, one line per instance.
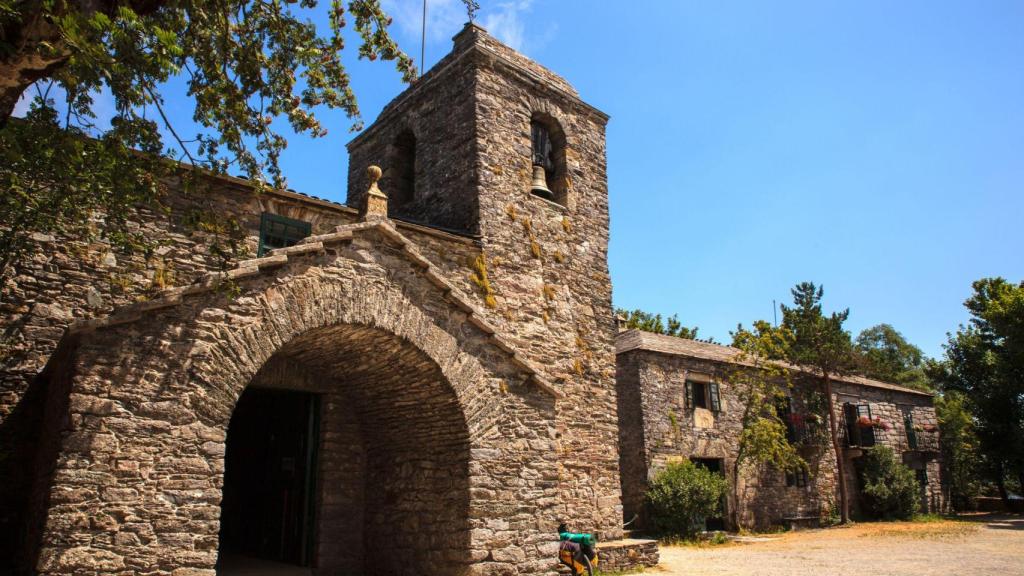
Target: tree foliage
column 984, row 361
column 670, row 326
column 820, row 343
column 959, row 446
column 38, row 197
column 760, row 386
column 889, row 489
column 682, row 495
column 245, row 63
column 823, row 347
column 884, row 354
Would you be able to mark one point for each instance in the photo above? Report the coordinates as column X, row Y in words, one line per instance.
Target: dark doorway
column 716, row 465
column 267, row 510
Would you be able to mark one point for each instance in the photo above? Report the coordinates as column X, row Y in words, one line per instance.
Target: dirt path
column 981, row 546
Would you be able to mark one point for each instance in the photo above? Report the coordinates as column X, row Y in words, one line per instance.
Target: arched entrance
column 436, row 444
column 348, row 454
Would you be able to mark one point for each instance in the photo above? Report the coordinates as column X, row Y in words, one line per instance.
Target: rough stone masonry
column 459, row 348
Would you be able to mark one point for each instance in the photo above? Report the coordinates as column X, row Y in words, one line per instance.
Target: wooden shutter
column 852, row 429
column 908, row 424
column 688, row 396
column 716, row 400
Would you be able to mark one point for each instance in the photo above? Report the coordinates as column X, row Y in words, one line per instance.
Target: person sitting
column 579, row 545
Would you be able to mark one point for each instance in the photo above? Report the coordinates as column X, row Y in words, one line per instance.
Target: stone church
column 419, row 381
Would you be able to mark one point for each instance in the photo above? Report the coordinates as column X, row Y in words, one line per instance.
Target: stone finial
column 375, row 204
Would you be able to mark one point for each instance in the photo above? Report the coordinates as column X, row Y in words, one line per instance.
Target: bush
column 889, row 489
column 681, row 496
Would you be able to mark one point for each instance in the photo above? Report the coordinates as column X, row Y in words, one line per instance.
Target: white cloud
column 505, row 21
column 444, row 18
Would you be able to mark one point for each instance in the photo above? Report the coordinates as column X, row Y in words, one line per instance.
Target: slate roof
column 673, row 345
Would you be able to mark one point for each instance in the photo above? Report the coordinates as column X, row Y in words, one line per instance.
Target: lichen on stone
column 483, row 283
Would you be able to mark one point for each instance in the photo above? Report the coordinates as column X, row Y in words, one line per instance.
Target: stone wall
column 76, row 278
column 435, row 394
column 890, row 407
column 652, row 388
column 547, row 282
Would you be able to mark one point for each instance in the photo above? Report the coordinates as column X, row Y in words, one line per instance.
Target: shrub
column 682, row 495
column 889, row 489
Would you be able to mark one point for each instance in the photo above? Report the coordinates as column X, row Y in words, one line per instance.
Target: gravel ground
column 976, row 546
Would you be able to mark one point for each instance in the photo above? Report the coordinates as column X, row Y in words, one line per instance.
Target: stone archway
column 390, row 489
column 137, row 482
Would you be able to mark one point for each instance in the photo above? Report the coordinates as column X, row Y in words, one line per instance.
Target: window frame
column 908, row 427
column 267, row 219
column 711, row 395
column 857, row 436
column 797, row 478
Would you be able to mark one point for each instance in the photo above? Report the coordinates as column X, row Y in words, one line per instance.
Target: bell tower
column 492, row 145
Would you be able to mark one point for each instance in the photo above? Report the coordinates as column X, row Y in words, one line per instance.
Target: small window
column 696, row 395
column 784, row 410
column 705, row 395
column 280, row 232
column 797, row 478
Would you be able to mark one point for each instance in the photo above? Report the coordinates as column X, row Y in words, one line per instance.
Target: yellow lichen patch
column 566, row 224
column 559, row 257
column 577, row 367
column 549, row 292
column 503, row 387
column 163, row 276
column 581, row 344
column 121, row 282
column 511, row 211
column 534, row 245
column 545, row 316
column 482, row 282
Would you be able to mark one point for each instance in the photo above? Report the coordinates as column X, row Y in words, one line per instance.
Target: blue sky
column 873, row 147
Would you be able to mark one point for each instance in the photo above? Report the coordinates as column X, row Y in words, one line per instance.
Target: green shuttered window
column 280, row 232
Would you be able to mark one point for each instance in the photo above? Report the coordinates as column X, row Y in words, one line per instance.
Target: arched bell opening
column 549, row 177
column 399, row 181
column 348, row 453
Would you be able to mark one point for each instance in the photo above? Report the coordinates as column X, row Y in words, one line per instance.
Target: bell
column 539, row 186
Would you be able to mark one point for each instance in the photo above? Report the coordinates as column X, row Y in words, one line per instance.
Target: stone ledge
column 627, row 554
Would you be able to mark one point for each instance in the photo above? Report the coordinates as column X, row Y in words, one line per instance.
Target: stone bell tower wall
column 549, row 265
column 543, row 279
column 437, row 112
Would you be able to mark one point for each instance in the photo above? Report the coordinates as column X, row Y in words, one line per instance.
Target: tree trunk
column 27, row 62
column 844, row 500
column 735, row 513
column 1001, row 485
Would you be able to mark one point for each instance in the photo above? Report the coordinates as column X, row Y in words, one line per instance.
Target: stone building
column 675, row 402
column 382, row 387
